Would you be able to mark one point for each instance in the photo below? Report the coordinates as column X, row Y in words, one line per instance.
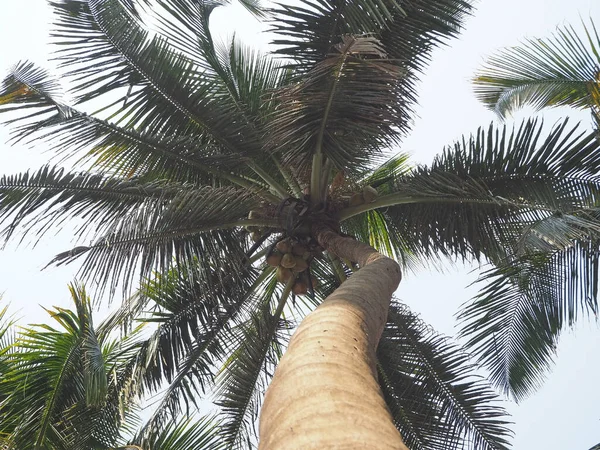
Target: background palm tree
column 62, row 388
column 199, row 142
column 563, row 70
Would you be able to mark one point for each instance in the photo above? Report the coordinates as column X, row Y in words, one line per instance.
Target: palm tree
column 557, row 71
column 61, row 388
column 253, row 191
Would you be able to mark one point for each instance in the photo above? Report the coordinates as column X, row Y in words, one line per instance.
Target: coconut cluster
column 368, row 195
column 292, row 259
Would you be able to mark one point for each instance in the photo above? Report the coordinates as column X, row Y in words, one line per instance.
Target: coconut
column 356, row 199
column 299, row 249
column 301, row 264
column 284, row 275
column 369, row 194
column 284, row 246
column 274, row 259
column 288, row 261
column 300, row 287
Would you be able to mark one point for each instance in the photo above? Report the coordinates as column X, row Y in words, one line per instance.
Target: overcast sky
column 565, row 413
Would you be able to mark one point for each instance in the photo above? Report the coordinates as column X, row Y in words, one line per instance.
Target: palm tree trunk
column 325, row 392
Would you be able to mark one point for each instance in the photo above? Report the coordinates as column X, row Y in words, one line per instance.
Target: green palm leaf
column 109, row 146
column 168, row 92
column 341, row 105
column 529, row 205
column 354, row 76
column 432, row 391
column 43, row 199
column 6, row 340
column 561, row 70
column 482, row 195
column 193, row 315
column 514, row 322
column 185, row 434
column 255, row 348
column 195, row 223
column 56, row 384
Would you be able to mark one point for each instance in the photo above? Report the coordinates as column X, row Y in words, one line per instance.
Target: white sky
column 565, row 413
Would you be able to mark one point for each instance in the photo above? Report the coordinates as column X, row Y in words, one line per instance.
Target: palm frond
column 560, row 70
column 432, row 390
column 186, row 25
column 45, row 198
column 245, row 75
column 384, row 176
column 124, row 151
column 374, row 227
column 255, row 348
column 242, row 78
column 185, row 434
column 167, row 92
column 184, row 352
column 26, row 81
column 340, row 108
column 482, row 196
column 525, row 202
column 7, row 337
column 514, row 322
column 56, row 384
column 197, row 223
column 95, row 383
column 353, row 79
column 309, row 32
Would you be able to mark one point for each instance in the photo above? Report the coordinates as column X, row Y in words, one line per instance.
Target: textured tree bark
column 325, row 393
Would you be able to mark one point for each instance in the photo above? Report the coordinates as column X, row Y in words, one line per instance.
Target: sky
column 565, row 413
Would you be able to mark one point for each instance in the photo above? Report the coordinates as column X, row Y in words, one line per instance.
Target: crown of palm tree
column 201, row 148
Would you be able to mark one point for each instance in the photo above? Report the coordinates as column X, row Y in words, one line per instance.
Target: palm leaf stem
column 259, row 255
column 400, row 198
column 325, row 179
column 318, row 156
column 274, row 186
column 319, row 145
column 315, row 179
column 284, row 296
column 289, row 179
column 49, row 409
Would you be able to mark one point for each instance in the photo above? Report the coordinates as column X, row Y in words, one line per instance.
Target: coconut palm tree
column 61, row 388
column 254, row 191
column 562, row 70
